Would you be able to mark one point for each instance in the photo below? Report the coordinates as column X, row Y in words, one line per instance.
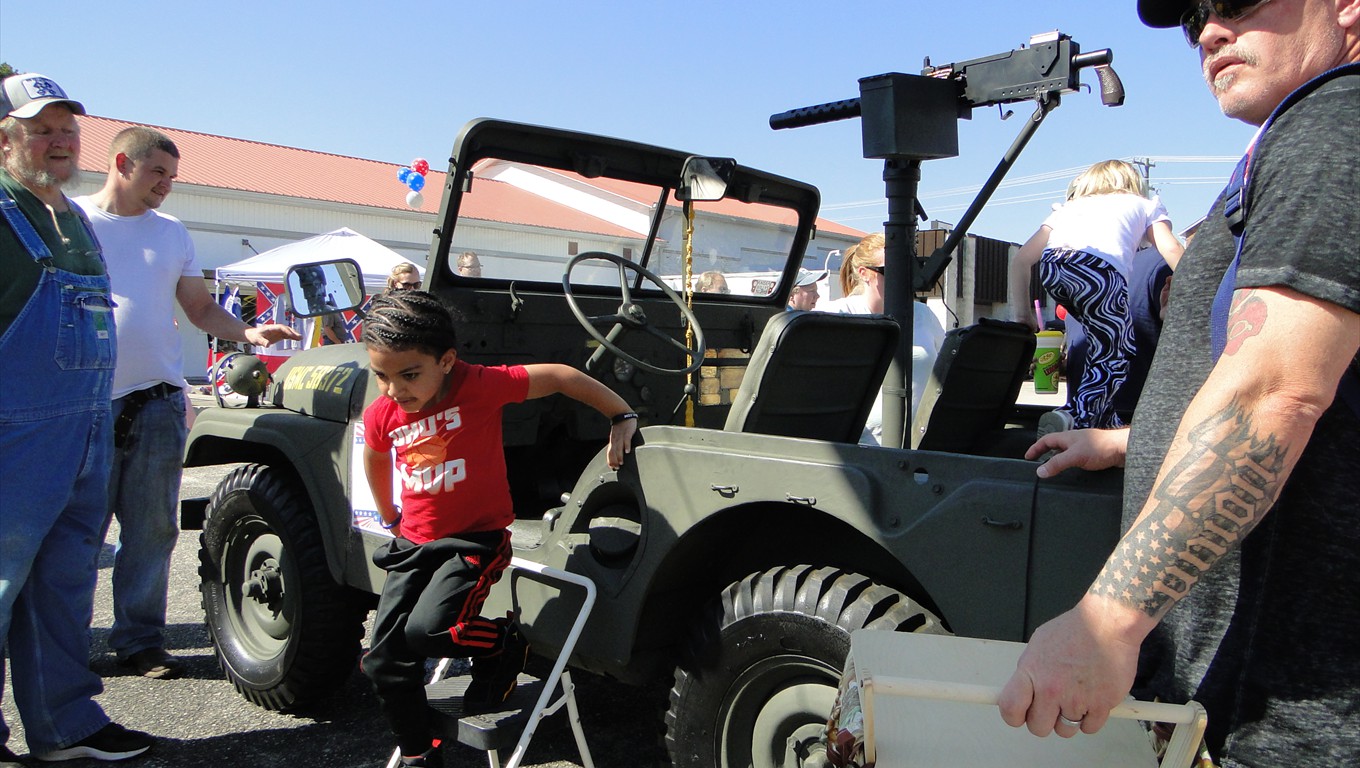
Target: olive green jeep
column 749, row 532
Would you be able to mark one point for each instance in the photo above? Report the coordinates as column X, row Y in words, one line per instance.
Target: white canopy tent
column 375, row 260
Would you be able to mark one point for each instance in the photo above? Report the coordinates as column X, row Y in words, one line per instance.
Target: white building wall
column 221, row 222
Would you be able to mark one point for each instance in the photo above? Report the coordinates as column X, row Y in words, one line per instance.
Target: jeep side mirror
column 324, row 287
column 705, row 178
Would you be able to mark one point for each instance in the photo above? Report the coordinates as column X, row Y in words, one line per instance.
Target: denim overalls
column 55, row 446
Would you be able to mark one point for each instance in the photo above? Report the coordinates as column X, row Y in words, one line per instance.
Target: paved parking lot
column 203, row 723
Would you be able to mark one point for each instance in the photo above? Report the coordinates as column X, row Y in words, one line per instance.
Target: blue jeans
column 144, row 496
column 55, row 446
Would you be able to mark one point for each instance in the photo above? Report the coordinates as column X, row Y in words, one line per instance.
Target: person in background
column 862, row 280
column 57, row 340
column 1240, row 466
column 711, row 281
column 404, row 277
column 1084, row 250
column 1149, row 284
column 804, row 294
column 151, row 267
column 469, row 265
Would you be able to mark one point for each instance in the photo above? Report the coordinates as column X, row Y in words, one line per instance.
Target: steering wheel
column 630, row 317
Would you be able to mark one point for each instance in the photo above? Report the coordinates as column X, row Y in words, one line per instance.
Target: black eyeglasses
column 1197, row 15
column 878, row 268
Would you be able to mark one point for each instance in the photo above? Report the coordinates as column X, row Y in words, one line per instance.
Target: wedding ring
column 1065, row 720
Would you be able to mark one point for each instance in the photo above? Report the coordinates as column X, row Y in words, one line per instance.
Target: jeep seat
column 973, row 388
column 814, row 375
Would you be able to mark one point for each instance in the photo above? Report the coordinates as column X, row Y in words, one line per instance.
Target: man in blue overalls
column 57, row 344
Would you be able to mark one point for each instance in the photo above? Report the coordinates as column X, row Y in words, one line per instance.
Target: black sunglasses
column 410, row 286
column 1197, row 15
column 878, row 268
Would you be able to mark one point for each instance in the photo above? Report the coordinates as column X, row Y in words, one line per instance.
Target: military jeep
column 748, row 533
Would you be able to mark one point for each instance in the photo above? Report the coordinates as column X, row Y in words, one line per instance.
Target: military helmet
column 245, row 374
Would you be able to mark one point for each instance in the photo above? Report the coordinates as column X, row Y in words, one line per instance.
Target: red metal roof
column 219, row 161
column 223, row 162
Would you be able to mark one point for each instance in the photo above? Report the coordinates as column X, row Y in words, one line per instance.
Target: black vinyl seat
column 814, row 375
column 973, row 388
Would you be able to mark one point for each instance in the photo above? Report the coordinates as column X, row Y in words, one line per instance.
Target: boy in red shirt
column 443, row 417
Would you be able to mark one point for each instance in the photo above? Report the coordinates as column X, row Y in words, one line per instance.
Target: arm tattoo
column 1246, row 318
column 1207, row 503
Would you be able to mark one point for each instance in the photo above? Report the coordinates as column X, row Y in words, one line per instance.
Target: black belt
column 132, row 405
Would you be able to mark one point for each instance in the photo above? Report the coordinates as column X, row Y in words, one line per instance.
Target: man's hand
column 1079, row 665
column 264, row 335
column 1089, row 449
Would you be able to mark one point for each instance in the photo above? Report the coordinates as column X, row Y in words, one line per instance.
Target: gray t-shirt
column 1285, row 679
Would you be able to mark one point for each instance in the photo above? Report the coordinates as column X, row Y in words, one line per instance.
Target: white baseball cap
column 26, row 95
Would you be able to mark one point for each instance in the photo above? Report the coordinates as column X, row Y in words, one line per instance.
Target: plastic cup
column 1047, row 355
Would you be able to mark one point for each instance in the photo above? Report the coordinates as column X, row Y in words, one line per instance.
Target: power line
column 1061, row 173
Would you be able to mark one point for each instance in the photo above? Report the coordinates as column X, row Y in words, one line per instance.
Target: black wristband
column 622, row 417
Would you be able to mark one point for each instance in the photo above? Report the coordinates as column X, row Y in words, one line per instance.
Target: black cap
column 1162, row 13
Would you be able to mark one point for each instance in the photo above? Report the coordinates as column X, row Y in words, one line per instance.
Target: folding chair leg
column 574, row 717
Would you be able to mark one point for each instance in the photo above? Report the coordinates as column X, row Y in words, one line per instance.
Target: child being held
column 443, row 418
column 1084, row 251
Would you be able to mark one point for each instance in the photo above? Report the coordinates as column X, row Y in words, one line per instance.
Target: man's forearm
column 215, row 321
column 1210, row 494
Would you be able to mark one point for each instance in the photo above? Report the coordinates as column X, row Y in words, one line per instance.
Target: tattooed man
column 1236, row 577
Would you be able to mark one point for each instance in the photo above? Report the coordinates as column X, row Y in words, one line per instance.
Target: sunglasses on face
column 409, row 286
column 878, row 269
column 1197, row 15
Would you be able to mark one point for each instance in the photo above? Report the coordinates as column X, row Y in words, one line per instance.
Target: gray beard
column 42, row 179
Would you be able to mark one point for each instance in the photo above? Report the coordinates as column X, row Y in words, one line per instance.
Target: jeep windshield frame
column 525, row 199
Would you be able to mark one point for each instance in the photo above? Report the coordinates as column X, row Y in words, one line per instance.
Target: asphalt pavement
column 201, row 722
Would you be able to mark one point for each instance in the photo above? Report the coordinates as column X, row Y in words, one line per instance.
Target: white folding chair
column 487, row 730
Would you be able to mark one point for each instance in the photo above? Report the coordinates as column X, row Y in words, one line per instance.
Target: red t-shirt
column 450, row 458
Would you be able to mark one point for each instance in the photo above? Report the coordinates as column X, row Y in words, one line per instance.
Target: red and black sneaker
column 494, row 676
column 429, row 759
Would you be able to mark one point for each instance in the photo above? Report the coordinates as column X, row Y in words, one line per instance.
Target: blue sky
column 396, row 80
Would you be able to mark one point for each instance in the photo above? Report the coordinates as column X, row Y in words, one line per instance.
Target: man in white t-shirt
column 151, row 266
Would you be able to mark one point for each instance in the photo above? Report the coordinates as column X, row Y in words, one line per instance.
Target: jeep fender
column 314, row 450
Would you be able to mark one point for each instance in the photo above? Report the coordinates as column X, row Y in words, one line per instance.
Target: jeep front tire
column 285, row 632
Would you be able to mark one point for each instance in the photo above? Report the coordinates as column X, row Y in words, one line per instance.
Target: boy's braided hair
column 404, row 320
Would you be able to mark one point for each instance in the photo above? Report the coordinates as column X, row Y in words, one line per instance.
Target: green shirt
column 19, row 273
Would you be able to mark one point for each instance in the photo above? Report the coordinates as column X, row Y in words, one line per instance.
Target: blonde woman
column 862, row 282
column 404, row 277
column 1084, row 251
column 862, row 278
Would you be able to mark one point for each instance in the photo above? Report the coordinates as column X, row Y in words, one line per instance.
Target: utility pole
column 1145, row 164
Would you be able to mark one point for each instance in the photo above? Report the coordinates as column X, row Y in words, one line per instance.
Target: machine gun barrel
column 815, row 115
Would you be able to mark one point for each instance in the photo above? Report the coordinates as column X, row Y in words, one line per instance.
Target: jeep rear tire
column 766, row 661
column 285, row 632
